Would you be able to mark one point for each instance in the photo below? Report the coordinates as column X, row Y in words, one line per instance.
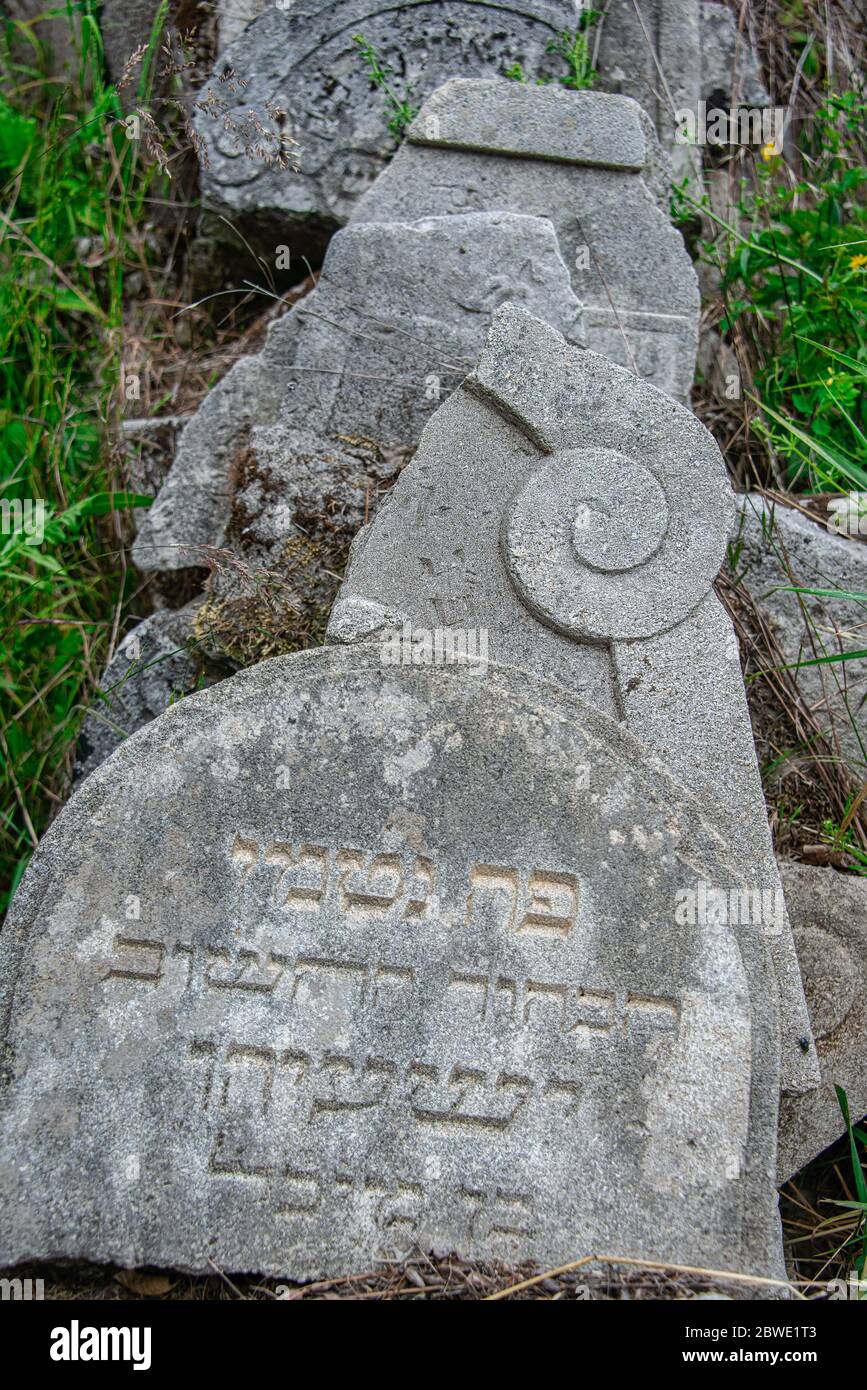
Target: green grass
column 857, row 1240
column 794, row 284
column 73, row 191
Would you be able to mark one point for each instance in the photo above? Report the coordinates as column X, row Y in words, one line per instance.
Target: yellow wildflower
column 857, row 262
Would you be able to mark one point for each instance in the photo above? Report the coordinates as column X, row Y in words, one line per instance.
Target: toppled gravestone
column 667, row 54
column 396, row 320
column 672, row 55
column 400, row 310
column 305, row 61
column 157, row 662
column 578, row 516
column 584, row 160
column 333, row 961
column 828, row 911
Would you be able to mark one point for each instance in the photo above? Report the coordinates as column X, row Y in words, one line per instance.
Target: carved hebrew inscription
column 359, row 883
column 348, row 1000
column 363, row 884
column 563, row 1007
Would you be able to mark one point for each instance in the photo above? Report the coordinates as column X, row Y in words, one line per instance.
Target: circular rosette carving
column 605, row 548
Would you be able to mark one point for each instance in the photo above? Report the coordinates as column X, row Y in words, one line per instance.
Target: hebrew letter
column 420, row 890
column 303, row 882
column 387, row 978
column 244, row 1055
column 148, row 972
column 472, row 985
column 498, row 885
column 651, row 1011
column 398, row 1215
column 303, row 1192
column 376, row 889
column 349, row 1088
column 594, row 1015
column 542, row 997
column 248, row 973
column 207, row 1052
column 552, row 902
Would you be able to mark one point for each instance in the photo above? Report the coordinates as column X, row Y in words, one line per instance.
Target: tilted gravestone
column 829, row 918
column 333, row 961
column 397, row 318
column 671, row 55
column 400, row 310
column 340, row 958
column 579, row 516
column 305, row 61
column 587, row 162
column 667, row 54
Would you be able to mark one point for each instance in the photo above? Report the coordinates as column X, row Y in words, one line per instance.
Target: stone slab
column 331, row 962
column 304, row 60
column 531, row 510
column 671, row 54
column 397, row 319
column 504, row 117
column 157, row 662
column 588, row 162
column 829, row 918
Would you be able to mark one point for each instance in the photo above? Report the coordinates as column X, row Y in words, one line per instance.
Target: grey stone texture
column 578, row 515
column 125, row 26
column 304, row 60
column 233, row 16
column 828, row 911
column 53, row 33
column 396, row 321
column 670, row 55
column 673, row 53
column 777, row 548
column 587, row 161
column 158, row 661
column 333, row 961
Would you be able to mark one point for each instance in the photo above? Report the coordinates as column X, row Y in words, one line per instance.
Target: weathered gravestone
column 579, row 516
column 401, row 309
column 157, row 662
column 333, row 960
column 829, row 918
column 667, row 54
column 340, row 958
column 397, row 319
column 306, row 62
column 672, row 55
column 587, row 162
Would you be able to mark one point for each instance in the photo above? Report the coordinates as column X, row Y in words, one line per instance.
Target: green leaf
column 857, row 1168
column 17, row 133
column 70, row 301
column 850, row 469
column 824, row 593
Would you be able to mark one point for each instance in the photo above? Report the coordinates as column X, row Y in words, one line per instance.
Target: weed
column 402, row 112
column 74, row 186
column 574, row 48
column 796, row 279
column 858, row 1238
